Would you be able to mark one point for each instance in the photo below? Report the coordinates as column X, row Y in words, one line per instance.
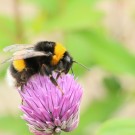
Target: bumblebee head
column 65, row 63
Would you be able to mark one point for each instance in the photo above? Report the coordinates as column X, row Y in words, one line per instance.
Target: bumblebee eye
column 68, row 59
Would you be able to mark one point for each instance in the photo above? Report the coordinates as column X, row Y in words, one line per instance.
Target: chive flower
column 46, row 110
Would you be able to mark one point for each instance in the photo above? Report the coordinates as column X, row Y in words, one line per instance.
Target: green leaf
column 79, row 49
column 50, row 6
column 13, row 125
column 7, row 31
column 66, row 15
column 102, row 51
column 118, row 127
column 112, row 84
column 110, row 54
column 98, row 111
column 3, row 70
column 75, row 15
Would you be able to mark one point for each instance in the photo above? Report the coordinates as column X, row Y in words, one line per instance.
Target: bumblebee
column 45, row 57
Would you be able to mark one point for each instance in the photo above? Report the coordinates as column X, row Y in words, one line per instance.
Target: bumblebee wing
column 17, row 47
column 24, row 54
column 7, row 60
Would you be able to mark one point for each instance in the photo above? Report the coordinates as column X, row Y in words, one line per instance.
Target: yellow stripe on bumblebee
column 19, row 65
column 59, row 51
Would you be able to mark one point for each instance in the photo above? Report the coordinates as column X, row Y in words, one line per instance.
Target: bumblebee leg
column 59, row 74
column 24, row 77
column 72, row 71
column 22, row 102
column 45, row 70
column 55, row 83
column 21, row 87
column 42, row 70
column 48, row 72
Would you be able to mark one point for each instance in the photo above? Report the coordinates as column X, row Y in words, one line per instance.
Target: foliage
column 118, row 127
column 13, row 125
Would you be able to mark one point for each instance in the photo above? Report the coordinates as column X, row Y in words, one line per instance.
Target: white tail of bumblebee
column 9, row 79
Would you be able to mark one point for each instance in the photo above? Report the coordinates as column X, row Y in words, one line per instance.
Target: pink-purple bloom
column 46, row 110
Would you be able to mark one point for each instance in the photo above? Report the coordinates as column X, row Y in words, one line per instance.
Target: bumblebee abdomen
column 19, row 65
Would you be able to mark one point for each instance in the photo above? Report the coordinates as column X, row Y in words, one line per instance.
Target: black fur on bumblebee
column 44, row 58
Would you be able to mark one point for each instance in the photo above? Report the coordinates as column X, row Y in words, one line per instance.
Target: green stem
column 56, row 133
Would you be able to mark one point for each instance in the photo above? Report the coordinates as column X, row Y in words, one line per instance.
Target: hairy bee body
column 56, row 59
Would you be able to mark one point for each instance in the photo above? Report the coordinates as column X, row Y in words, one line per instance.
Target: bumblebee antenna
column 82, row 65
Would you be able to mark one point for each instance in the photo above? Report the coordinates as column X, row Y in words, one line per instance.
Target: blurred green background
column 98, row 33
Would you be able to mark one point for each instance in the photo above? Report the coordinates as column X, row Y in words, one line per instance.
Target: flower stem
column 56, row 133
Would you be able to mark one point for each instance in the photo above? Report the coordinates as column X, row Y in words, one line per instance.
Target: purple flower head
column 46, row 110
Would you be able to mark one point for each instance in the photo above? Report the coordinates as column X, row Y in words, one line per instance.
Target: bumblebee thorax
column 59, row 51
